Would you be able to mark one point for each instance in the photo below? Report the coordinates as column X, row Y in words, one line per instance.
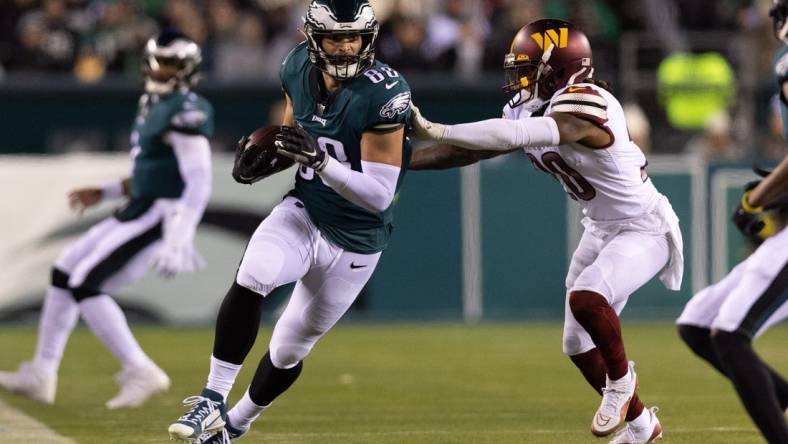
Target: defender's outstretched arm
column 506, row 134
column 443, row 156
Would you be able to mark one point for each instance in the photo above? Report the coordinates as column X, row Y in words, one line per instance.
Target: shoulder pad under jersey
column 582, row 101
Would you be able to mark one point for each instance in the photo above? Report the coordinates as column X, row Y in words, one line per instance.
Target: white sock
column 59, row 315
column 107, row 321
column 643, row 420
column 245, row 412
column 222, row 376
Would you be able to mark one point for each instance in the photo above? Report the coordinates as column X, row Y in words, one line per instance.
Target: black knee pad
column 82, row 292
column 239, row 291
column 59, row 278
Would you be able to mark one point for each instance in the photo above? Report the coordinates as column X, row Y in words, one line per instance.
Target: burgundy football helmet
column 545, row 56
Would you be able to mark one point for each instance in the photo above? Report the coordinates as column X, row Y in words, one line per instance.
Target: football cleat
column 640, row 435
column 615, row 403
column 225, row 436
column 137, row 385
column 31, row 382
column 206, row 415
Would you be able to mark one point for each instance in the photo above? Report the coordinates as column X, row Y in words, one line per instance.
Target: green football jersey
column 781, row 75
column 155, row 172
column 377, row 100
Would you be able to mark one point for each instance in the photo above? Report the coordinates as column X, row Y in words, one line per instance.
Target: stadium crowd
column 243, row 40
column 94, row 38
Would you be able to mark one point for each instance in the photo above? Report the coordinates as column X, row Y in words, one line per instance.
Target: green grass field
column 405, row 383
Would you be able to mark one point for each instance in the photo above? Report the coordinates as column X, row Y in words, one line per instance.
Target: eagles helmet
column 171, row 48
column 545, row 56
column 327, row 17
column 779, row 15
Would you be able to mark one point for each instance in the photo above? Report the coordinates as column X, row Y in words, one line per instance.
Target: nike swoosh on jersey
column 354, row 266
column 391, row 85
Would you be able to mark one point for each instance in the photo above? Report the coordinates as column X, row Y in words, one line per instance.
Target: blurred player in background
column 167, row 193
column 721, row 321
column 344, row 124
column 573, row 128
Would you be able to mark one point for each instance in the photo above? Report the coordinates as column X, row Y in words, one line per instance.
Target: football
column 263, row 138
column 259, row 158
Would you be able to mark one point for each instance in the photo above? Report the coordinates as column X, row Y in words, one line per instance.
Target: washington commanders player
column 167, row 193
column 721, row 321
column 573, row 128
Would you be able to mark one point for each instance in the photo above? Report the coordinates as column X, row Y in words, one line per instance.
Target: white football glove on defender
column 423, row 128
column 177, row 253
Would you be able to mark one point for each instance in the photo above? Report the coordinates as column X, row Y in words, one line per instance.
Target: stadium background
column 485, row 243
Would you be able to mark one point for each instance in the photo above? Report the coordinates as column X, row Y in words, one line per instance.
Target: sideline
column 16, row 427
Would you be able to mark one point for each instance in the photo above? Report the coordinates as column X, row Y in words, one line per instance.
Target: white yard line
column 16, row 427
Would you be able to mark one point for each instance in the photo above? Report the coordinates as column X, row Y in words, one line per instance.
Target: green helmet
column 326, row 17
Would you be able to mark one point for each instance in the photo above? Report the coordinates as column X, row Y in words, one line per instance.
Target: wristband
column 112, row 190
column 746, row 206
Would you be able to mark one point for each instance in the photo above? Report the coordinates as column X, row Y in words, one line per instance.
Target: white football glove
column 423, row 128
column 177, row 253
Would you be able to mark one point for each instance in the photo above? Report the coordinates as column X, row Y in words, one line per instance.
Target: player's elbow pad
column 372, row 189
column 504, row 134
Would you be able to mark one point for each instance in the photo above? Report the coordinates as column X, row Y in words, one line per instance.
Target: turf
column 406, row 383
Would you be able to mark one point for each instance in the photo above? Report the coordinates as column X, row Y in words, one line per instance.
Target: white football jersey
column 610, row 183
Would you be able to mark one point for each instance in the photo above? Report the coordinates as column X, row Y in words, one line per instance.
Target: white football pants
column 288, row 247
column 614, row 267
column 751, row 298
column 114, row 253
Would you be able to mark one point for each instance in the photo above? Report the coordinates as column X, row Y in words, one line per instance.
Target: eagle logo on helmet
column 327, row 17
column 171, row 48
column 545, row 56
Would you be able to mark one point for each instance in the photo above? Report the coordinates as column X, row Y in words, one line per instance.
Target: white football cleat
column 137, row 385
column 640, row 435
column 31, row 382
column 615, row 403
column 206, row 416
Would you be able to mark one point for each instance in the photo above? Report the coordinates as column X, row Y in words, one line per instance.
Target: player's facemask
column 523, row 78
column 173, row 51
column 325, row 18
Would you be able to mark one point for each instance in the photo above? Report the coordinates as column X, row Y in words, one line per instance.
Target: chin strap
column 154, row 87
column 533, row 102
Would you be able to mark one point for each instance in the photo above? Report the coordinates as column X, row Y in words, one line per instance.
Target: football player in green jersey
column 721, row 321
column 345, row 125
column 167, row 193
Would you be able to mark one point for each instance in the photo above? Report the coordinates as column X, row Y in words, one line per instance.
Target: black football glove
column 753, row 222
column 250, row 162
column 299, row 145
column 780, row 204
